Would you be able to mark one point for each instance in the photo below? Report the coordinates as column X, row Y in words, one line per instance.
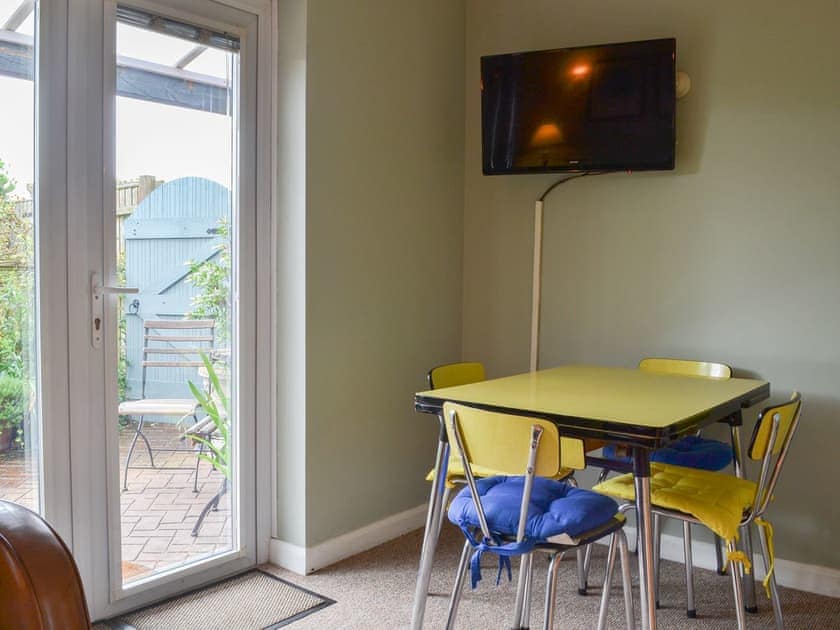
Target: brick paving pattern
column 159, row 509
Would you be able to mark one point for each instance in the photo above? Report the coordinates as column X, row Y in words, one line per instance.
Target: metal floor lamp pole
column 536, row 290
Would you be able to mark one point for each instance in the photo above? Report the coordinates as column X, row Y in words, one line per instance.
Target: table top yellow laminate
column 608, row 400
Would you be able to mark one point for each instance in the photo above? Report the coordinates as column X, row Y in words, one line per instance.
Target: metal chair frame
column 766, row 484
column 521, row 617
column 453, row 377
column 149, row 351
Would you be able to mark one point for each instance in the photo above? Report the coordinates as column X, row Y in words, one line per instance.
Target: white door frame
column 93, row 432
column 51, row 256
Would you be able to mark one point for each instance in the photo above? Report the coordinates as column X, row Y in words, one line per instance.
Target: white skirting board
column 804, row 577
column 305, row 560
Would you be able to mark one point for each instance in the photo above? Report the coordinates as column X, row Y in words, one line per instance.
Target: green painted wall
column 733, row 257
column 384, row 242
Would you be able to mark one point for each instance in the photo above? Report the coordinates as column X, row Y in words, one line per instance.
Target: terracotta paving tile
column 157, row 545
column 159, row 509
column 129, row 552
column 173, row 516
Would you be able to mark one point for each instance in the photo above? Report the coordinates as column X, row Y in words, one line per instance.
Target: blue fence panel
column 177, row 223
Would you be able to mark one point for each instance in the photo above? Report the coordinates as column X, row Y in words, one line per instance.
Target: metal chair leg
column 774, row 590
column 605, row 590
column 551, row 591
column 721, row 566
column 458, row 588
column 690, row 611
column 737, row 588
column 746, row 541
column 131, row 452
column 657, row 544
column 581, row 553
column 525, row 621
column 626, row 580
column 146, row 441
column 212, row 504
column 521, row 585
column 587, row 563
column 522, row 609
column 749, row 581
column 197, row 461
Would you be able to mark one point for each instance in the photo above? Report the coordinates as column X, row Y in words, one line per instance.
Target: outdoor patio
column 159, row 509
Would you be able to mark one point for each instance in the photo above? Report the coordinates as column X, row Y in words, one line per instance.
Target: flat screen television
column 595, row 108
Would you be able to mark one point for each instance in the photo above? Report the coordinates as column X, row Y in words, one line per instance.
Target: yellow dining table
column 641, row 410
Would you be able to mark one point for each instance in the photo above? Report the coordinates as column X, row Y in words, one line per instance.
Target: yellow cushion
column 716, row 499
column 455, row 471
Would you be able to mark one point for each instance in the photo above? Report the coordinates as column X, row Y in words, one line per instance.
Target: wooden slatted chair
column 169, row 344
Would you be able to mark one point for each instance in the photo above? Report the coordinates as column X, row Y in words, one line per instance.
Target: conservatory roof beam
column 135, row 78
column 191, row 56
column 19, row 15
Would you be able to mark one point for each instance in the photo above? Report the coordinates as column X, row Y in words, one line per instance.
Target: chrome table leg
column 647, row 588
column 427, row 554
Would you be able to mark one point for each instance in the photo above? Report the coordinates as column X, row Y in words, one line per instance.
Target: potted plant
column 12, row 408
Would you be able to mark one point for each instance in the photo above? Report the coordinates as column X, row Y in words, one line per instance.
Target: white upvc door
column 197, row 159
column 34, row 332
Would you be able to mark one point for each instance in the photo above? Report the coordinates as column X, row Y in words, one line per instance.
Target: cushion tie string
column 494, row 545
column 768, row 533
column 739, row 556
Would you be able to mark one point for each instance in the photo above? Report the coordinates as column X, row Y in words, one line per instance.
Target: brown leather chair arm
column 40, row 587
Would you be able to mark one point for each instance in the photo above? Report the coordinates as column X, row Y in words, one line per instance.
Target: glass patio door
column 162, row 198
column 20, row 453
column 20, row 427
column 175, row 225
column 132, row 181
column 34, row 429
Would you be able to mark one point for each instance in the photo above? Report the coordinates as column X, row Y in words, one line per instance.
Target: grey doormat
column 251, row 601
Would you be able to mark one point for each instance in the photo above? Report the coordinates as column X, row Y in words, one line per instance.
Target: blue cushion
column 690, row 451
column 556, row 508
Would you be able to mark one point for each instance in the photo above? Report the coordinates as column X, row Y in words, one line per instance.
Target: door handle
column 97, row 312
column 98, row 290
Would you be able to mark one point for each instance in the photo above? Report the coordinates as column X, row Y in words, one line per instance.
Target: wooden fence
column 129, row 194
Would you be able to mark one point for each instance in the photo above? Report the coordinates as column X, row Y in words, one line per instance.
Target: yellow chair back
column 454, row 374
column 500, row 442
column 787, row 414
column 685, row 367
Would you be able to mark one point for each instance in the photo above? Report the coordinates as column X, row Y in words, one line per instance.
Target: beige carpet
column 374, row 590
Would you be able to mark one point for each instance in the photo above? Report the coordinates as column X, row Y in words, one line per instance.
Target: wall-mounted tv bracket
column 683, row 83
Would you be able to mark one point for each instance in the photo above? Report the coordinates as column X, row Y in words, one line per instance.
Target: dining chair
column 524, row 509
column 725, row 503
column 692, row 451
column 465, row 373
column 452, row 375
column 168, row 347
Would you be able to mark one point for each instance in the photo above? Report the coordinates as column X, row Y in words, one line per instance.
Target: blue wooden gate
column 175, row 225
